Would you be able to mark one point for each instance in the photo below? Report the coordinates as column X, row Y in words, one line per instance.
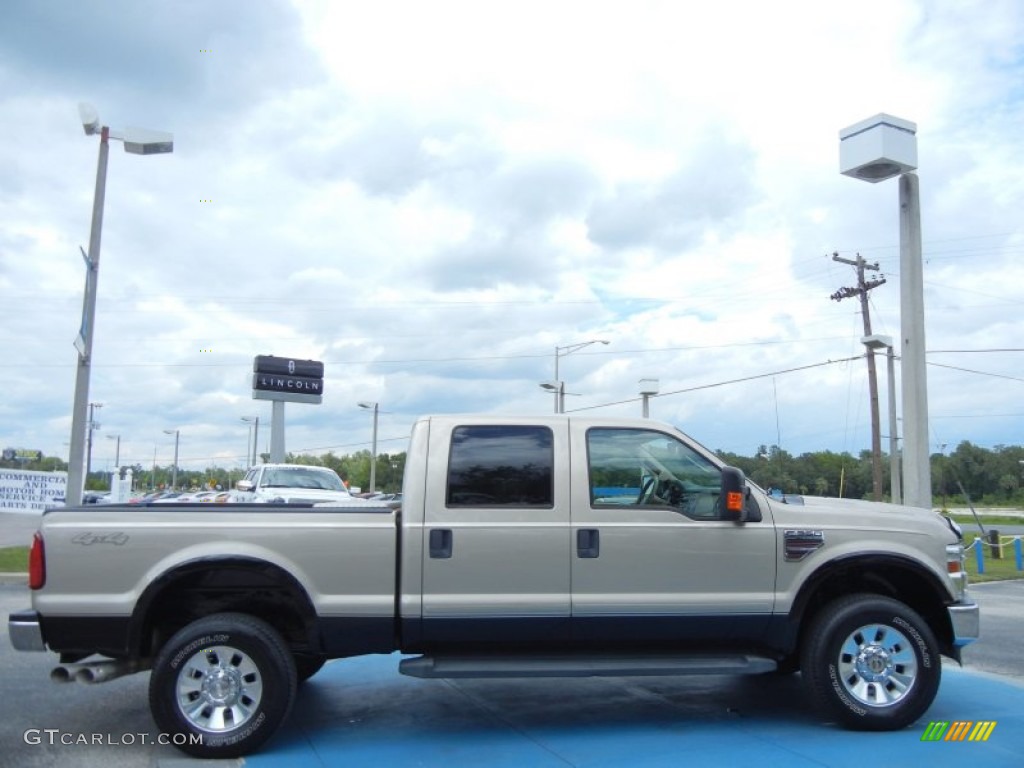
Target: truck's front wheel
column 222, row 685
column 872, row 662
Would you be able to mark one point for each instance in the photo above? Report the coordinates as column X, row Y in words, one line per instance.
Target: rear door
column 496, row 554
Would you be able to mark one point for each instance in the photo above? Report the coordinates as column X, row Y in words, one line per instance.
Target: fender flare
column 268, row 575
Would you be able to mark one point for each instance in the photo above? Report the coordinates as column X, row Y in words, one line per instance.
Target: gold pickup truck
column 552, row 546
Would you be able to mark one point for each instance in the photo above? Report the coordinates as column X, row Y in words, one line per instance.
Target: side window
column 644, row 468
column 501, row 466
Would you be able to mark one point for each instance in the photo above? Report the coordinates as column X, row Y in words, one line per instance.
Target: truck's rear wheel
column 872, row 662
column 222, row 685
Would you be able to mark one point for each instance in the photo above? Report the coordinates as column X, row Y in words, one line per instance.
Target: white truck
column 555, row 546
column 292, row 484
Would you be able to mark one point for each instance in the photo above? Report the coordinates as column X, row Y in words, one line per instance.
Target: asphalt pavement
column 16, row 528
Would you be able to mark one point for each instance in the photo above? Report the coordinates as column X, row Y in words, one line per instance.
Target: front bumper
column 25, row 631
column 965, row 618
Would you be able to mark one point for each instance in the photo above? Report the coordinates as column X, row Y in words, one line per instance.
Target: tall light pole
column 91, row 427
column 874, row 342
column 117, row 450
column 137, row 141
column 117, row 458
column 648, row 389
column 174, row 470
column 558, row 387
column 561, row 352
column 879, row 148
column 373, row 453
column 253, row 420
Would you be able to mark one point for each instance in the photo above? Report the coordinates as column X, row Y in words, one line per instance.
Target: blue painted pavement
column 361, row 712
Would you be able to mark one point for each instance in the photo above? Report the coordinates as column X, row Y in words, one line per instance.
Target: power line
column 720, row 383
column 980, row 373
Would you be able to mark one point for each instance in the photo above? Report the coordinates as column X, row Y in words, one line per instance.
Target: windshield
column 302, row 477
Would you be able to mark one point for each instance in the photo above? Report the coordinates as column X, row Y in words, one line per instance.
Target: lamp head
column 143, row 141
column 877, row 341
column 90, row 118
column 878, row 148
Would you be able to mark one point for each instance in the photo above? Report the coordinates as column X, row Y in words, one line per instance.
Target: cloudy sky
column 431, row 197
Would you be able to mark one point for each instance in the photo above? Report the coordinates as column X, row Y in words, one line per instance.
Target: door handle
column 441, row 543
column 588, row 543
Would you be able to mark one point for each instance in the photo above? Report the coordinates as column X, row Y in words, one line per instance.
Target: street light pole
column 91, row 427
column 917, row 464
column 874, row 342
column 894, row 446
column 117, row 449
column 174, row 470
column 83, row 342
column 254, row 433
column 879, row 148
column 373, row 453
column 648, row 389
column 561, row 352
column 139, row 142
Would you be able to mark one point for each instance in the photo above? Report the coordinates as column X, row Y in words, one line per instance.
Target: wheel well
column 888, row 576
column 202, row 588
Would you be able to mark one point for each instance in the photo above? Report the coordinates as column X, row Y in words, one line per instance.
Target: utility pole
column 863, row 286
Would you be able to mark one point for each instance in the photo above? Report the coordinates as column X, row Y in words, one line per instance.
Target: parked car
column 294, row 484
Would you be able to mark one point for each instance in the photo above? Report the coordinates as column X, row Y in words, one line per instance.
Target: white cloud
column 431, row 198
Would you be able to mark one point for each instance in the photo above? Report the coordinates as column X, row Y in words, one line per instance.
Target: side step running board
column 584, row 666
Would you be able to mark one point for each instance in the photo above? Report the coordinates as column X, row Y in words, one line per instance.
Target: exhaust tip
column 61, row 675
column 86, row 675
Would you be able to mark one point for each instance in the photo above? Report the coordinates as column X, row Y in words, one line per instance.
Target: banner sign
column 21, row 454
column 23, row 491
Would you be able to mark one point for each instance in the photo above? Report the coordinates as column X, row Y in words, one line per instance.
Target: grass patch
column 989, row 521
column 13, row 559
column 995, row 570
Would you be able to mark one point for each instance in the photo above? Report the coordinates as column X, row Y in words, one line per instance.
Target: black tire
column 222, row 685
column 307, row 666
column 872, row 662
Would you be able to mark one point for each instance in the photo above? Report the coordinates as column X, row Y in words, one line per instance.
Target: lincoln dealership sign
column 282, row 378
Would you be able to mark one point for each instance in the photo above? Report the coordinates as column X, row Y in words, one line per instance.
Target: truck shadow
column 342, row 709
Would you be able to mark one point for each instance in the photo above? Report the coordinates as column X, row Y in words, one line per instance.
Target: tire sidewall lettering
column 833, row 676
column 234, row 738
column 922, row 647
column 195, row 645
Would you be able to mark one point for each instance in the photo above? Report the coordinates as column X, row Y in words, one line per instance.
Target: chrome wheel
column 219, row 689
column 877, row 665
column 871, row 662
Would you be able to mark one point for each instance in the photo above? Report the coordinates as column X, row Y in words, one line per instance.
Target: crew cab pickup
column 556, row 546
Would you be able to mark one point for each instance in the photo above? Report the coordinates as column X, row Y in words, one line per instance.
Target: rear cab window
column 501, row 466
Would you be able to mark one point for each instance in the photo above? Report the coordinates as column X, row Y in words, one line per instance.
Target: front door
column 653, row 558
